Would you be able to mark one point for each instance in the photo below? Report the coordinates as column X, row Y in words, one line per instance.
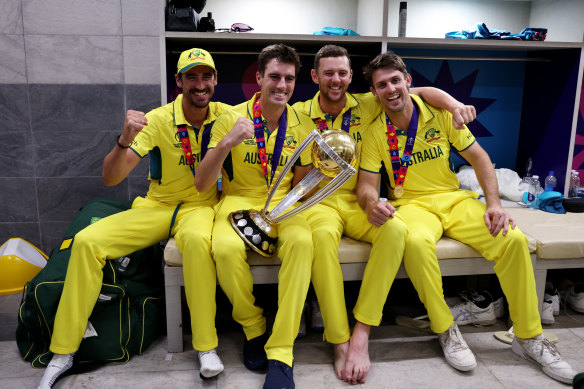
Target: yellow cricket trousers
column 338, row 214
column 233, row 272
column 458, row 215
column 146, row 223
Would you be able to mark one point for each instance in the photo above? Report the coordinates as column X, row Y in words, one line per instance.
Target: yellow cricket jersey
column 364, row 108
column 242, row 170
column 171, row 179
column 430, row 171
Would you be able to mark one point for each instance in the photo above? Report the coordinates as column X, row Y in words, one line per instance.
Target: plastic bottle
column 574, row 184
column 531, row 199
column 550, row 182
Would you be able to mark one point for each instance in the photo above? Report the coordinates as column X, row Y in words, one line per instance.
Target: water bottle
column 574, row 184
column 531, row 199
column 550, row 182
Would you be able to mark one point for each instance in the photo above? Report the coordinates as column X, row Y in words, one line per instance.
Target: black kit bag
column 128, row 315
column 183, row 15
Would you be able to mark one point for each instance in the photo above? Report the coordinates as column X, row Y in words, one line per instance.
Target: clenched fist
column 134, row 123
column 242, row 129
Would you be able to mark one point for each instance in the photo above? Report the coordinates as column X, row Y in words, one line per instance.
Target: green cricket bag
column 128, row 315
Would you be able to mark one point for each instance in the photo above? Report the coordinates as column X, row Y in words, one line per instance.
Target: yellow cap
column 194, row 57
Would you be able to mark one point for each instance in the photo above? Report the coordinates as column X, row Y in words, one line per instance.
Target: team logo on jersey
column 355, row 120
column 431, row 135
column 178, row 145
column 290, row 142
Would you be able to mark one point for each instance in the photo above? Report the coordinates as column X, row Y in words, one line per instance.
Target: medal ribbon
column 345, row 125
column 185, row 141
column 258, row 127
column 400, row 167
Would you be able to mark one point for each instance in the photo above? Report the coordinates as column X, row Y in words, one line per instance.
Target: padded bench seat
column 455, row 259
column 559, row 241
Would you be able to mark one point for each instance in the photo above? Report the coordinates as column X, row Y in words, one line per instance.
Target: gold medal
column 398, row 191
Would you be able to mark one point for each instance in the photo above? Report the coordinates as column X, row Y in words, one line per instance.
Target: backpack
column 128, row 315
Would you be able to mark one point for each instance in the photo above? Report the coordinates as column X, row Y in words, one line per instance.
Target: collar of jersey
column 315, row 111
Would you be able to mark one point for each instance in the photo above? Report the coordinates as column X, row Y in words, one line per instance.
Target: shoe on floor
column 476, row 308
column 545, row 354
column 554, row 297
column 499, row 307
column 58, row 365
column 254, row 355
column 279, row 376
column 575, row 298
column 210, row 363
column 456, row 351
column 547, row 312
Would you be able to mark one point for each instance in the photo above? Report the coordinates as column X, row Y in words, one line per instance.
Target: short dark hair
column 330, row 51
column 382, row 61
column 280, row 51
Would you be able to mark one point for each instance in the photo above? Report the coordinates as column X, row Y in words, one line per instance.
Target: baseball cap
column 194, row 57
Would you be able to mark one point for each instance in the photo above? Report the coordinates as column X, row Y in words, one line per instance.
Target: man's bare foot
column 357, row 363
column 340, row 355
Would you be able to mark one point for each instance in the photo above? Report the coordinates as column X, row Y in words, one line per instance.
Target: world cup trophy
column 334, row 156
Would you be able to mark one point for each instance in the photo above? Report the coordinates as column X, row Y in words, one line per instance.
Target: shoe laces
column 546, row 347
column 455, row 339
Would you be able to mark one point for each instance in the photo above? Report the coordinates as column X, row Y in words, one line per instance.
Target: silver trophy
column 334, row 156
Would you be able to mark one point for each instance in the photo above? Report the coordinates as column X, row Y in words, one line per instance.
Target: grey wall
column 68, row 72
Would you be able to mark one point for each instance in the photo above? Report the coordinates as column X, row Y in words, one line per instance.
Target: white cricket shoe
column 545, row 354
column 575, row 299
column 547, row 312
column 456, row 351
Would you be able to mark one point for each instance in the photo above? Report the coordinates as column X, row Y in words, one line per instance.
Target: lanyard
column 400, row 167
column 345, row 125
column 185, row 141
column 259, row 126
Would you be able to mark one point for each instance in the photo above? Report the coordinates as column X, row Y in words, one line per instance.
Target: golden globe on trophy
column 334, row 156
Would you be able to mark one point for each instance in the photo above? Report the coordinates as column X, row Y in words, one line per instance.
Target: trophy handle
column 301, row 147
column 324, row 192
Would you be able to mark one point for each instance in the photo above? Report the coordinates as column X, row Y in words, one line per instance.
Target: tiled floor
column 402, row 358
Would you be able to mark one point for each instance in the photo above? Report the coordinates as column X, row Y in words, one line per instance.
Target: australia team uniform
column 432, row 205
column 172, row 207
column 244, row 187
column 341, row 214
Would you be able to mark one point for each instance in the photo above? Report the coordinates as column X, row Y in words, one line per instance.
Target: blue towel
column 551, row 201
column 335, row 31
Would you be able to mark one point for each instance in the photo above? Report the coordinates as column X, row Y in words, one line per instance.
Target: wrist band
column 121, row 145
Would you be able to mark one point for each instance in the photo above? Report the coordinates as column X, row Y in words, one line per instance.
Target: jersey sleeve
column 460, row 139
column 221, row 127
column 371, row 152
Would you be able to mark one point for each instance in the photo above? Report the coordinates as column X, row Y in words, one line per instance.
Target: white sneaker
column 211, row 364
column 545, row 354
column 59, row 364
column 468, row 313
column 455, row 349
column 554, row 297
column 499, row 307
column 316, row 322
column 575, row 299
column 547, row 312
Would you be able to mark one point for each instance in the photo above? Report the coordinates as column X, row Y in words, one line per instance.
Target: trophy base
column 257, row 232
